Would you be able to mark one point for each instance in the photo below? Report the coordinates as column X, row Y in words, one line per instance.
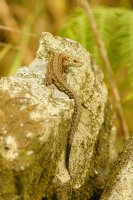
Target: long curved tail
column 74, row 124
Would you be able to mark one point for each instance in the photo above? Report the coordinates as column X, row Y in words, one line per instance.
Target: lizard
column 54, row 74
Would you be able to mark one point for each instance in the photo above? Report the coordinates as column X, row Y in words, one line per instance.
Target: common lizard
column 55, row 69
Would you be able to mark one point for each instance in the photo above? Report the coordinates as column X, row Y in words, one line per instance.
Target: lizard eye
column 76, row 61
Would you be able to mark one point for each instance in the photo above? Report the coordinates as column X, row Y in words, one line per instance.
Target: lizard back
column 55, row 73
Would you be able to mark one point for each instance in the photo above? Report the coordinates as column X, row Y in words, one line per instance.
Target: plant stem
column 109, row 73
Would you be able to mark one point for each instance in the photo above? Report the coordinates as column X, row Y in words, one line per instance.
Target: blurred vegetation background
column 22, row 22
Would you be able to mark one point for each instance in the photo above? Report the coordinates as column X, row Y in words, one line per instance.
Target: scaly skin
column 54, row 75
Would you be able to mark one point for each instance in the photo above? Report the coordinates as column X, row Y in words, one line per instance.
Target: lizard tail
column 68, row 149
column 74, row 124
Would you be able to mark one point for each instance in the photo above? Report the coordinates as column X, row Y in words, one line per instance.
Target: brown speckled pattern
column 54, row 75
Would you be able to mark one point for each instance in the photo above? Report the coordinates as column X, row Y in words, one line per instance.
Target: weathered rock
column 35, row 120
column 120, row 181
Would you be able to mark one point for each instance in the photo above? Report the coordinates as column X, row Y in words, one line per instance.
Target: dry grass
column 21, row 24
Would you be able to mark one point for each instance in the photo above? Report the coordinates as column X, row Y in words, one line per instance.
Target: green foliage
column 124, row 41
column 115, row 27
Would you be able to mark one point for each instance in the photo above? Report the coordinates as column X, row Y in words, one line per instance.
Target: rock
column 120, row 181
column 34, row 122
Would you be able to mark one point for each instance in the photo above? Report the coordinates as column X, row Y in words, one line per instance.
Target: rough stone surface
column 34, row 122
column 120, row 181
